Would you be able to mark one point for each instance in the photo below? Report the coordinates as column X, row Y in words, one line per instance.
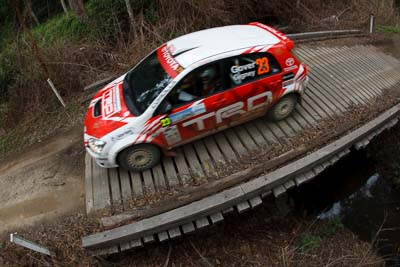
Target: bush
column 59, row 28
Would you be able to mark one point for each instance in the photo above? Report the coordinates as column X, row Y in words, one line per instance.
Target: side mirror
column 164, row 108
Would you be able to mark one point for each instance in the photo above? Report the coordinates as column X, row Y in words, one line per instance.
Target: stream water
column 366, row 203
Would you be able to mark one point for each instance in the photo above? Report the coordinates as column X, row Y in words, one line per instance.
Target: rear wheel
column 139, row 157
column 283, row 108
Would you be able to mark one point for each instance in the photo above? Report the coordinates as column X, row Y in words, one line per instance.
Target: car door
column 253, row 80
column 192, row 114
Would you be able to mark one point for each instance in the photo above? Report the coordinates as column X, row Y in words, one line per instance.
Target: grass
column 61, row 27
column 388, row 29
column 309, row 241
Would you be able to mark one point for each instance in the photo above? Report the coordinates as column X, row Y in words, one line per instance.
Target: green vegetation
column 60, row 27
column 388, row 29
column 308, row 241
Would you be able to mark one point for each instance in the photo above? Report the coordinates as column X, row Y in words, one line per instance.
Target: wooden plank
column 243, row 206
column 245, row 137
column 137, row 187
column 159, row 179
column 125, row 246
column 266, row 194
column 174, row 233
column 255, row 134
column 318, row 169
column 148, row 239
column 228, row 210
column 88, row 183
column 194, row 163
column 299, row 179
column 170, row 172
column 367, row 63
column 237, row 194
column 329, row 101
column 115, row 187
column 277, row 131
column 225, row 147
column 306, row 115
column 188, row 228
column 265, row 131
column 255, row 202
column 214, row 151
column 216, row 217
column 299, row 119
column 279, row 190
column 289, row 184
column 345, row 61
column 205, row 159
column 181, row 165
column 330, row 81
column 125, row 179
column 330, row 92
column 162, row 236
column 202, row 222
column 362, row 77
column 136, row 243
column 318, row 107
column 235, row 142
column 289, row 132
column 101, row 188
column 323, row 102
column 294, row 124
column 148, row 182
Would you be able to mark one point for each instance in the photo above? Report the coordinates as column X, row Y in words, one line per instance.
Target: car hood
column 107, row 111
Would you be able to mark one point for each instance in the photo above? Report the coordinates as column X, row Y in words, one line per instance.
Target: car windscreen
column 144, row 83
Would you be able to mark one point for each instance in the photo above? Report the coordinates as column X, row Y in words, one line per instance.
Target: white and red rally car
column 191, row 87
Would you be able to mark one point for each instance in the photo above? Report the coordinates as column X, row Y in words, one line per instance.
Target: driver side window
column 199, row 83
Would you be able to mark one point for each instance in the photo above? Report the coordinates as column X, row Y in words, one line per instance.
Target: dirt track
column 45, row 182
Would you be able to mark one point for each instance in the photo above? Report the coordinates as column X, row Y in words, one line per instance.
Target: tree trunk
column 131, row 17
column 31, row 13
column 64, row 6
column 78, row 8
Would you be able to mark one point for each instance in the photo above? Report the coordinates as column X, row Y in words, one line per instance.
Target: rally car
column 191, row 87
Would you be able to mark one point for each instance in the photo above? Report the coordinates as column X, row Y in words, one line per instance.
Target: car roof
column 196, row 46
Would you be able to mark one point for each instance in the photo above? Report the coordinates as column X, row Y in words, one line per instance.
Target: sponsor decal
column 165, row 122
column 172, row 135
column 168, row 62
column 290, row 68
column 289, row 62
column 191, row 111
column 122, row 135
column 253, row 103
column 263, row 65
column 110, row 102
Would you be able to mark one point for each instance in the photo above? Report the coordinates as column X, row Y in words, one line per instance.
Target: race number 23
column 263, row 65
column 165, row 122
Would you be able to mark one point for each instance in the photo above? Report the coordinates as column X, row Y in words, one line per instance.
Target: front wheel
column 139, row 157
column 283, row 108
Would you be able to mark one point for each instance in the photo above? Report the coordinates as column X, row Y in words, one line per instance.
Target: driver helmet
column 208, row 75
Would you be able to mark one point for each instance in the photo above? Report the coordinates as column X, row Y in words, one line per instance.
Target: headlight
column 96, row 145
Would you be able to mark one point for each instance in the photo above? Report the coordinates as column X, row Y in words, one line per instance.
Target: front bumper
column 101, row 161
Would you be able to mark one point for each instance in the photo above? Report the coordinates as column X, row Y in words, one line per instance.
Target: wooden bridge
column 345, row 106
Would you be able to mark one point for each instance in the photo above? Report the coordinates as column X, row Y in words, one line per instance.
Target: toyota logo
column 290, row 62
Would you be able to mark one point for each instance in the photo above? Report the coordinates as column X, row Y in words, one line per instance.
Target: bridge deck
column 340, row 78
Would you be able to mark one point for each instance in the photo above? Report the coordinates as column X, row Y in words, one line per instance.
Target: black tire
column 283, row 108
column 139, row 157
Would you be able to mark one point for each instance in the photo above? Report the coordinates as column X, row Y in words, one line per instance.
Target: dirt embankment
column 45, row 182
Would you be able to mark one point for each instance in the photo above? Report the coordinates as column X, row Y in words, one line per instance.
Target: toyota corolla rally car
column 191, row 87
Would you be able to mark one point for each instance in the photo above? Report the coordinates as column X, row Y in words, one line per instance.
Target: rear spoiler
column 283, row 38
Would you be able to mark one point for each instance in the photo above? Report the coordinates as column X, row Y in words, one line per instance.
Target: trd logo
column 228, row 111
